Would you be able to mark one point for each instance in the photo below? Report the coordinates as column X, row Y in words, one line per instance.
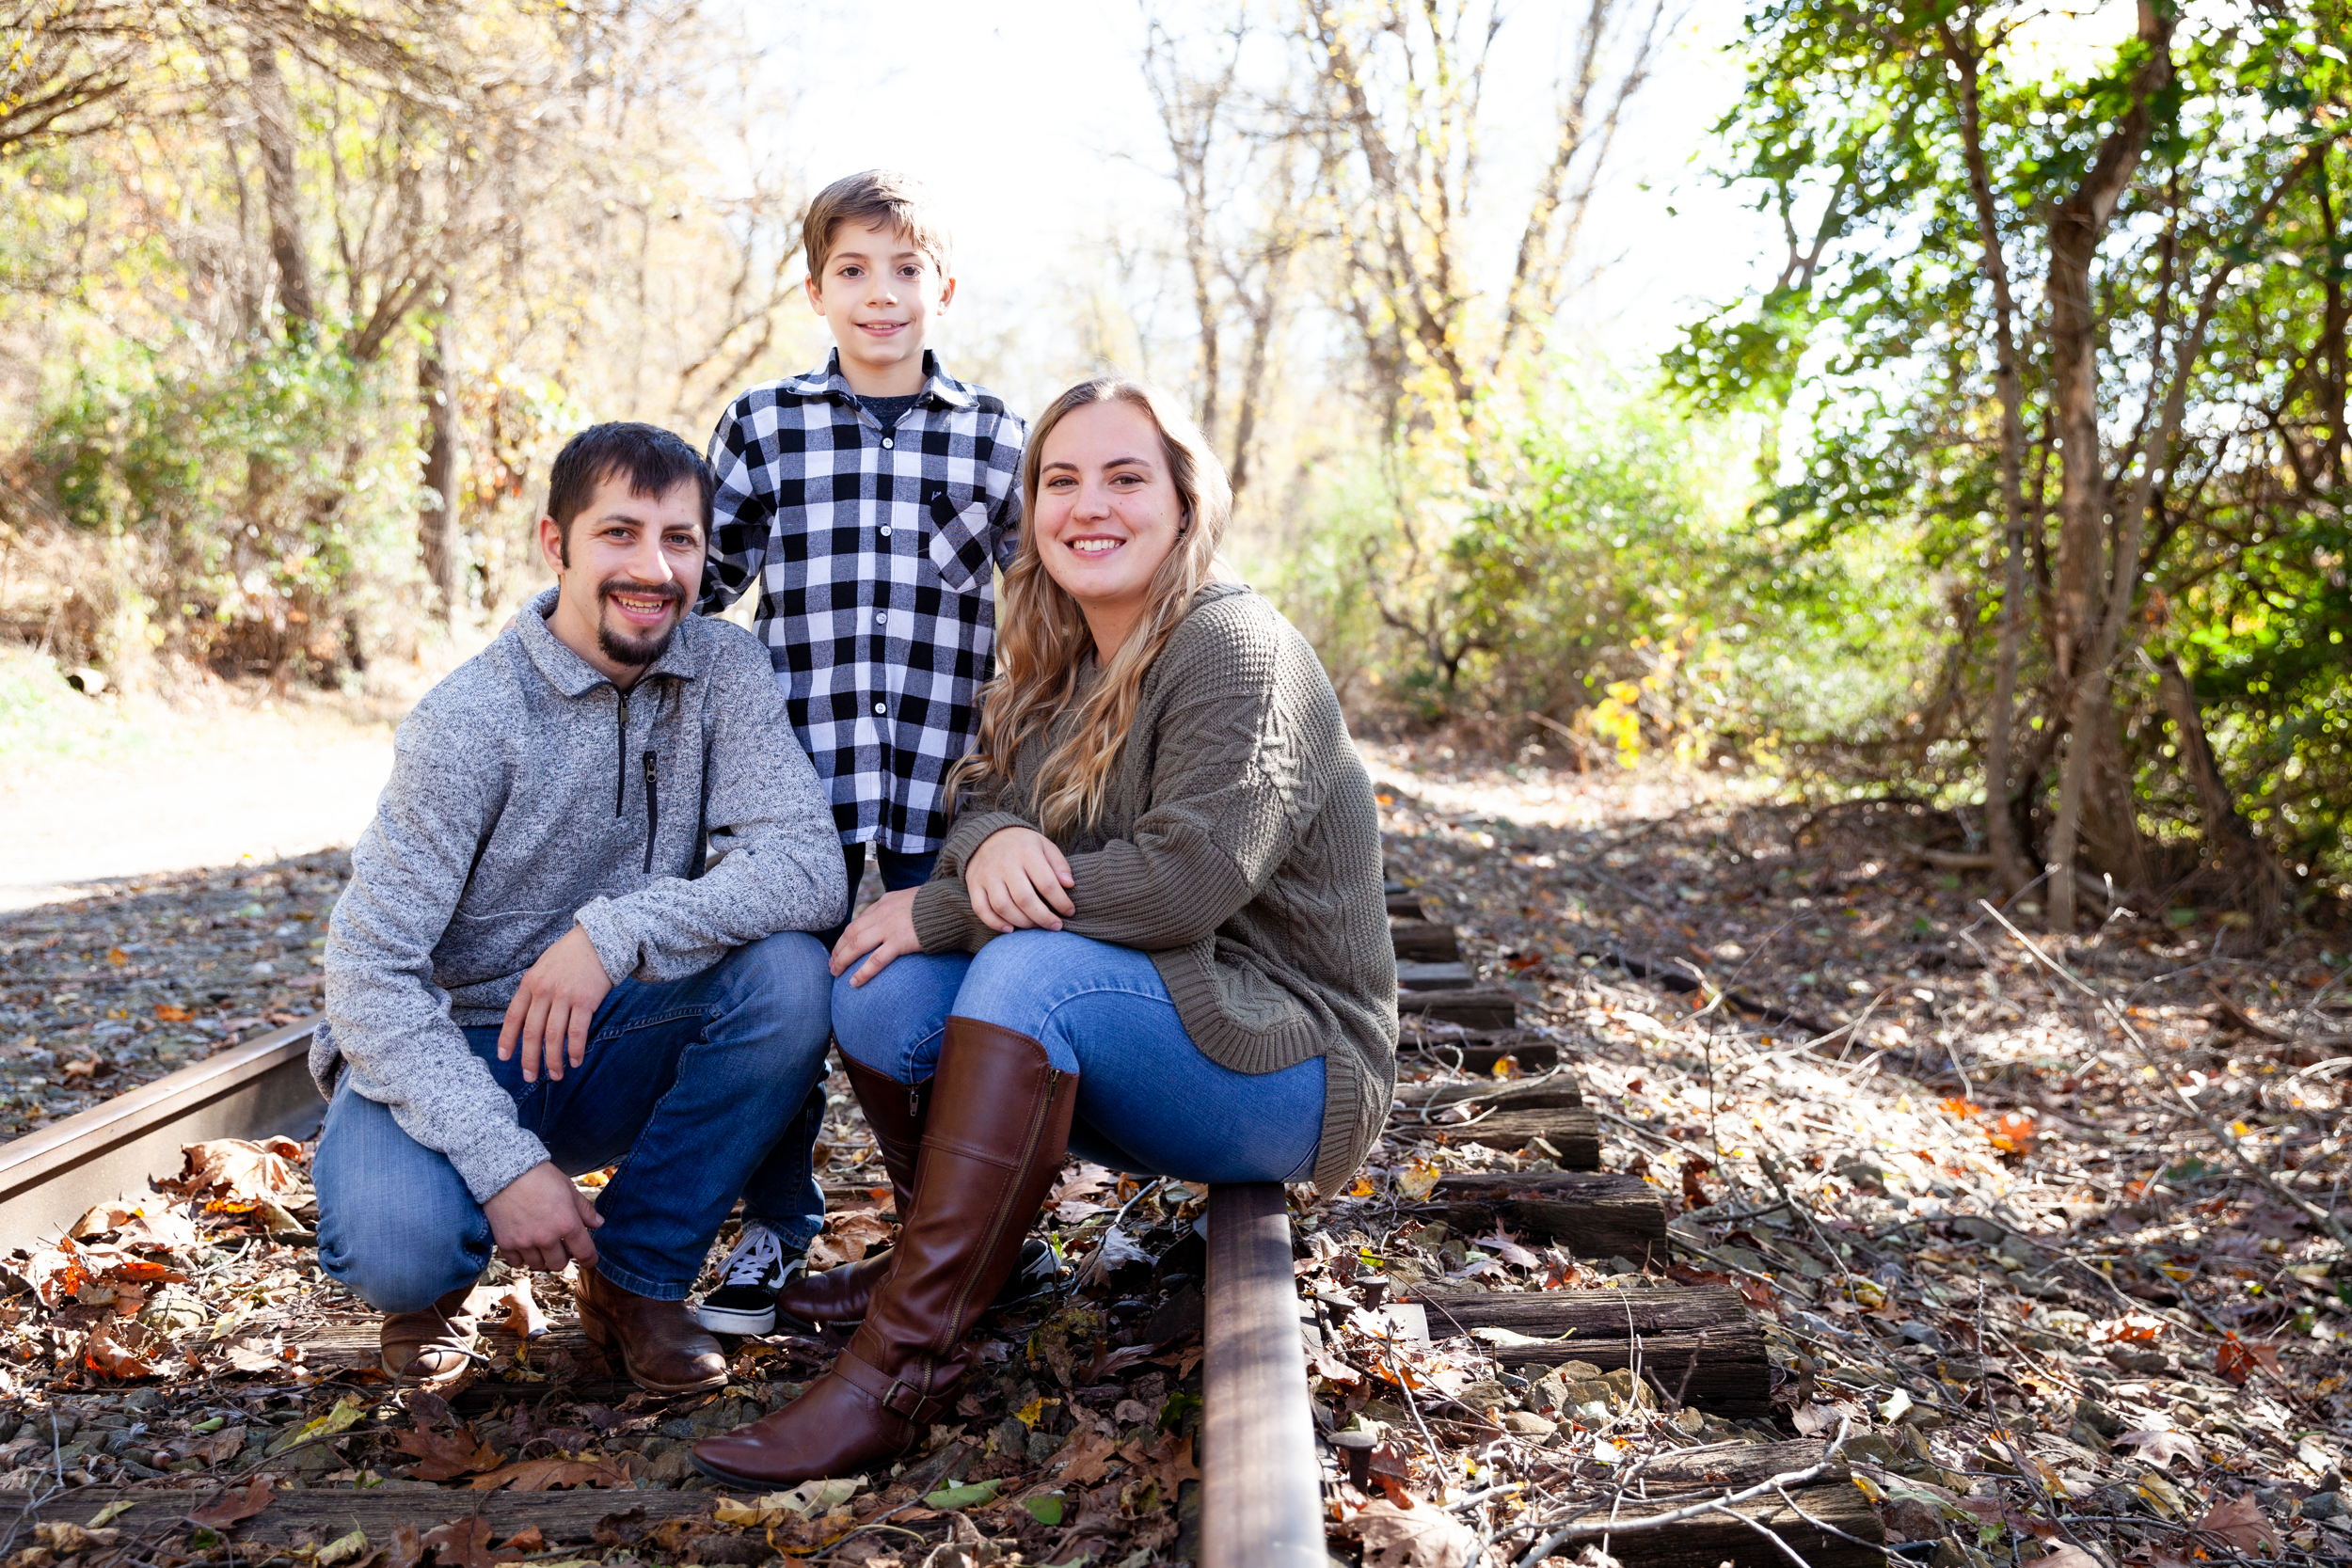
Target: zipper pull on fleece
column 620, row 771
column 653, row 813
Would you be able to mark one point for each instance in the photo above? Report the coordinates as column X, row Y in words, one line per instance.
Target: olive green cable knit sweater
column 1239, row 847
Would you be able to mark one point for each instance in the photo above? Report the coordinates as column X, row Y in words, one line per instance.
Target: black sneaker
column 745, row 1300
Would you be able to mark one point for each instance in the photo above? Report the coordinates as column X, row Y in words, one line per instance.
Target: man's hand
column 549, row 1017
column 1019, row 880
column 541, row 1221
column 883, row 931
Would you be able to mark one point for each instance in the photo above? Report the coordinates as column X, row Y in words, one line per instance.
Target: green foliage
column 1874, row 355
column 1612, row 579
column 266, row 501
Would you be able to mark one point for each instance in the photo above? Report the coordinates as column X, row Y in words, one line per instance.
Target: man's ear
column 552, row 546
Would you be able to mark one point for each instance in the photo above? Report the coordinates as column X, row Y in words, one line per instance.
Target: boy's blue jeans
column 687, row 1086
column 1148, row 1102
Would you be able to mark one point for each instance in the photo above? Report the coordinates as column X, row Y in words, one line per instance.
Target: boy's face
column 879, row 292
column 635, row 566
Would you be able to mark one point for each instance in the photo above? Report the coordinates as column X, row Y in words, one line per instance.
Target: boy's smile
column 877, row 292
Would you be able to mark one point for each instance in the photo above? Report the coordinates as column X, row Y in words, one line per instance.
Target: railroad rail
column 1266, row 1469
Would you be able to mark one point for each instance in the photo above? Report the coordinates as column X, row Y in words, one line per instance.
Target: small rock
column 2326, row 1505
column 1525, row 1425
column 672, row 1468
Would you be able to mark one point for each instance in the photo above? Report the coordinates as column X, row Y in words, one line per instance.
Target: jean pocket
column 960, row 540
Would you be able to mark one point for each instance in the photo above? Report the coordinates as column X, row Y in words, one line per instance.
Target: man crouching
column 558, row 949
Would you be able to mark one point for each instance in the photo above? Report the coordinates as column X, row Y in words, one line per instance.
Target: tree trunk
column 438, row 539
column 2000, row 823
column 274, row 131
column 2253, row 878
column 2077, row 226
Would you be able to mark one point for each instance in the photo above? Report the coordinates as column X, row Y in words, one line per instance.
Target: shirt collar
column 938, row 387
column 573, row 675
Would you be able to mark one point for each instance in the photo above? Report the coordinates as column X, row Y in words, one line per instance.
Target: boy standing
column 871, row 501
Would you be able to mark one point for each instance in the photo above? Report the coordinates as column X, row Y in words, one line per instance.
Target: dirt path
column 187, row 791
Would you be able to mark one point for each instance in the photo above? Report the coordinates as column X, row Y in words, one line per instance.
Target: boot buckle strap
column 895, row 1395
column 903, row 1399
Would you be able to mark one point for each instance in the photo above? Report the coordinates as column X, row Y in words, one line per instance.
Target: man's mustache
column 669, row 591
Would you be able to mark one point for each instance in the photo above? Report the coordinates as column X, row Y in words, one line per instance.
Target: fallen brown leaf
column 1086, row 1457
column 524, row 1318
column 2240, row 1522
column 1421, row 1537
column 848, row 1237
column 122, row 1348
column 236, row 1171
column 234, row 1508
column 447, row 1455
column 545, row 1475
column 466, row 1544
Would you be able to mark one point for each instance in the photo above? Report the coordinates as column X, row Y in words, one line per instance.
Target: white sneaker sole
column 722, row 1320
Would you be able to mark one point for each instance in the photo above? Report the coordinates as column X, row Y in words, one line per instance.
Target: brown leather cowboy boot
column 896, row 1113
column 998, row 1126
column 660, row 1342
column 432, row 1344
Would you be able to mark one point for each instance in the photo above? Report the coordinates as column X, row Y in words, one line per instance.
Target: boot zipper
column 620, row 772
column 997, row 1226
column 653, row 813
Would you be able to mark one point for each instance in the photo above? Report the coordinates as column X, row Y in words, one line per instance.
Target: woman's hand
column 883, row 931
column 1019, row 880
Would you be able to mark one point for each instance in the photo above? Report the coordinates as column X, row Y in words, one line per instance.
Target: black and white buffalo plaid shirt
column 873, row 558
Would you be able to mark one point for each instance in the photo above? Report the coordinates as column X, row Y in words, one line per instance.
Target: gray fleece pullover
column 529, row 794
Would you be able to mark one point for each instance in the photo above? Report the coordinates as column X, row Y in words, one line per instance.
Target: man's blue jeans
column 687, row 1086
column 1148, row 1102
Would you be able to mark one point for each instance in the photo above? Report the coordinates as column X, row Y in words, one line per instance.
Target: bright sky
column 1032, row 123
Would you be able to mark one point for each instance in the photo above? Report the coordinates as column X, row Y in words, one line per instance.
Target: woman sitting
column 1155, row 936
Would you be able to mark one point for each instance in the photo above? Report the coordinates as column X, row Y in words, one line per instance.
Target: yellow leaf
column 1420, row 1177
column 117, row 956
column 1033, row 1412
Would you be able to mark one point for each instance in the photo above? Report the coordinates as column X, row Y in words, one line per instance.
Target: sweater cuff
column 486, row 1166
column 969, row 833
column 615, row 944
column 944, row 920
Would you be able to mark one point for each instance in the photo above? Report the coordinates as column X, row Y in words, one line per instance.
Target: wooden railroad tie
column 1592, row 1215
column 1698, row 1344
column 1549, row 1116
column 1474, row 1049
column 1809, row 1519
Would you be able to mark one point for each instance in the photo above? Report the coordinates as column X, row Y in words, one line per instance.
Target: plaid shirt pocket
column 959, row 540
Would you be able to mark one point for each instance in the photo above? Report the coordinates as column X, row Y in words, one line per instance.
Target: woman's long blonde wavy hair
column 1043, row 636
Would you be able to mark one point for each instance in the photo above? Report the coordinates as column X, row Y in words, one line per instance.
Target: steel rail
column 1262, row 1494
column 52, row 1176
column 1261, row 1482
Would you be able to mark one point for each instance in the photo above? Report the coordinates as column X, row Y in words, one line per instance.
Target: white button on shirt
column 885, row 531
column 878, row 707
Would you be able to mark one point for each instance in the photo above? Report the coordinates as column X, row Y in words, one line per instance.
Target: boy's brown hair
column 877, row 199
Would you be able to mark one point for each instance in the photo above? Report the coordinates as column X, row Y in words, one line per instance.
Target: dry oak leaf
column 1425, row 1536
column 1085, row 1458
column 122, row 1348
column 233, row 1508
column 2235, row 1359
column 2160, row 1449
column 466, row 1544
column 447, row 1455
column 1168, row 1461
column 848, row 1237
column 55, row 1274
column 237, row 1171
column 525, row 1320
column 2240, row 1522
column 542, row 1475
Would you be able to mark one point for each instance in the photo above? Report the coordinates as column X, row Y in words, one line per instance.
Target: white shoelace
column 757, row 1257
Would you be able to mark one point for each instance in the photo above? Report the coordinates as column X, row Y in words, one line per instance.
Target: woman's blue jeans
column 687, row 1086
column 1149, row 1101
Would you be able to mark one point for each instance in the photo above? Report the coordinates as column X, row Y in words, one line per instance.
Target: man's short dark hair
column 655, row 459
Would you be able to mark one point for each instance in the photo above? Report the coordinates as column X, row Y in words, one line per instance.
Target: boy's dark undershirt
column 887, row 412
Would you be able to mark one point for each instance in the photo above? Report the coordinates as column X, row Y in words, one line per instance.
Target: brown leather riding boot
column 999, row 1123
column 660, row 1344
column 894, row 1112
column 433, row 1344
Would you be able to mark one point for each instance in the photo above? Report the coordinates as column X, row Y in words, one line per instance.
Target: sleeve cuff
column 486, row 1167
column 616, row 944
column 944, row 920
